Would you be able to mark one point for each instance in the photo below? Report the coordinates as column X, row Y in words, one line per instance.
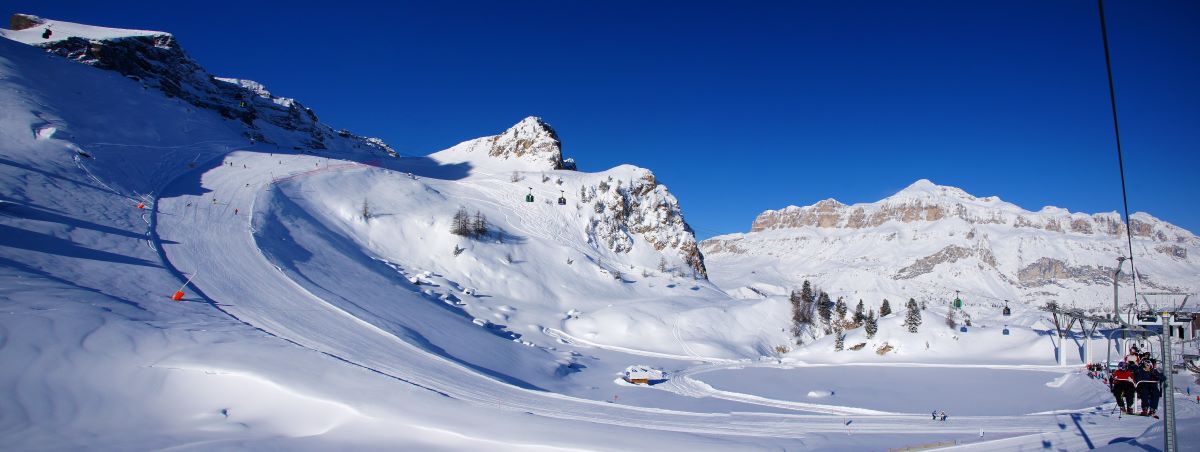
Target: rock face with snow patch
column 531, row 139
column 930, row 240
column 642, row 206
column 622, row 203
column 530, row 145
column 156, row 60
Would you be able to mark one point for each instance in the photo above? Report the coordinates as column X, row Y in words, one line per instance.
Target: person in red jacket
column 1123, row 387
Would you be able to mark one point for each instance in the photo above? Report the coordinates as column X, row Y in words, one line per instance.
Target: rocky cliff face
column 158, row 62
column 930, row 239
column 619, row 204
column 924, row 201
column 640, row 206
column 530, row 139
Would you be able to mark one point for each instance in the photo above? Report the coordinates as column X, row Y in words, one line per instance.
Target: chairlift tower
column 1168, row 321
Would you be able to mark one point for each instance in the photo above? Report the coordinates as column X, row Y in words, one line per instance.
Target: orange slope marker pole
column 178, row 296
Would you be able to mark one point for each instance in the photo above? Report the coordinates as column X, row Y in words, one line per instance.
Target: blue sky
column 740, row 108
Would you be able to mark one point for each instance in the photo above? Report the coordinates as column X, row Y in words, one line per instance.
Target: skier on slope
column 1122, row 387
column 1148, row 389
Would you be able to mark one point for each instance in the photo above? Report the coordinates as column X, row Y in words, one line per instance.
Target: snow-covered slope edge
column 156, row 60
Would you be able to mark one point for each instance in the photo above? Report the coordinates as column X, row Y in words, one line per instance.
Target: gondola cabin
column 529, row 197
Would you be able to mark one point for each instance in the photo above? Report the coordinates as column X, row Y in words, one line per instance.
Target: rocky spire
column 530, row 139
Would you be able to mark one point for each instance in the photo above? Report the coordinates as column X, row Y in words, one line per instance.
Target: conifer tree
column 841, row 309
column 479, row 226
column 825, row 310
column 886, row 309
column 858, row 314
column 870, row 324
column 839, row 337
column 461, row 225
column 951, row 319
column 913, row 319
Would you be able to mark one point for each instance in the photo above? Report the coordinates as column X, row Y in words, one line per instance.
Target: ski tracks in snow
column 237, row 265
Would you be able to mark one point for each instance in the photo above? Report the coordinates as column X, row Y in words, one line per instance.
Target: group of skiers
column 1137, row 374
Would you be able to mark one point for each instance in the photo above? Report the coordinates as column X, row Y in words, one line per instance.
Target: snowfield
column 330, row 306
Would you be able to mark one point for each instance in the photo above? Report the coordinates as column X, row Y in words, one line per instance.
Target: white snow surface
column 308, row 325
column 61, row 30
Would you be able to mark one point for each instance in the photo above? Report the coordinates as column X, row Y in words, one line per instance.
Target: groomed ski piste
column 310, row 324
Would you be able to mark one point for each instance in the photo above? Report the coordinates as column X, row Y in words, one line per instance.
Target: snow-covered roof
column 646, row 372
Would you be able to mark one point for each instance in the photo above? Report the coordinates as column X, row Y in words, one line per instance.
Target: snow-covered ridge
column 924, row 201
column 530, row 145
column 619, row 205
column 30, row 29
column 930, row 240
column 156, row 60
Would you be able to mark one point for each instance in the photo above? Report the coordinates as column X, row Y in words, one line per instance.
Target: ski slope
column 235, row 252
column 308, row 327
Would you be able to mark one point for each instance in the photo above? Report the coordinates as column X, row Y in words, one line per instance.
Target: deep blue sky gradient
column 741, row 107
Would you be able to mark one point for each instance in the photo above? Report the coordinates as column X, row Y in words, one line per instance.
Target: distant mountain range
column 930, row 240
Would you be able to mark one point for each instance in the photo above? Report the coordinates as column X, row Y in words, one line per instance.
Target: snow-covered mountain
column 927, row 241
column 180, row 271
column 618, row 207
column 157, row 61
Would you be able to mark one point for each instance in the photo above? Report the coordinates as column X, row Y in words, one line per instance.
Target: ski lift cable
column 1112, row 97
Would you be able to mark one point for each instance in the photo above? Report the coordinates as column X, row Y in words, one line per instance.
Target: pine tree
column 796, row 303
column 806, row 293
column 808, row 304
column 662, row 264
column 461, row 225
column 870, row 324
column 858, row 314
column 840, row 308
column 825, row 310
column 913, row 319
column 839, row 338
column 951, row 319
column 479, row 226
column 366, row 210
column 886, row 309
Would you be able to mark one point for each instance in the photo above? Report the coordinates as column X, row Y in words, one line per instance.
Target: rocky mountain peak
column 924, row 189
column 531, row 139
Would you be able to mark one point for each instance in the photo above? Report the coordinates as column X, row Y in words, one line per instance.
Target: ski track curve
column 222, row 245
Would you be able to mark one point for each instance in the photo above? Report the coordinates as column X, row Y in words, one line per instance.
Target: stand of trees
column 465, row 225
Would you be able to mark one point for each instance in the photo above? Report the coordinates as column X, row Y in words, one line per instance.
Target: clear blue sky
column 737, row 107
